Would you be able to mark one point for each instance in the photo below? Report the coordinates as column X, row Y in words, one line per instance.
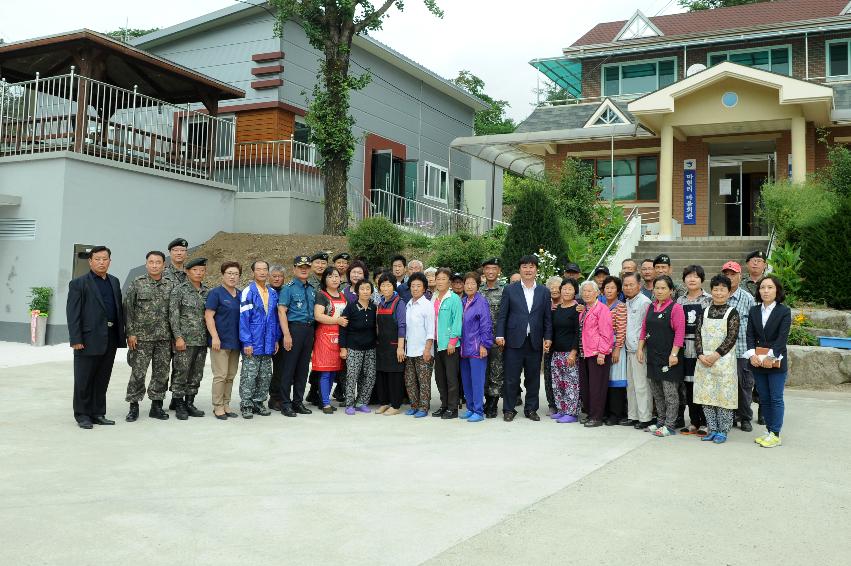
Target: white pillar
column 666, row 177
column 799, row 149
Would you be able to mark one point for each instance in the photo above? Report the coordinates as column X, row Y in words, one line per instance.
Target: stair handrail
column 617, row 238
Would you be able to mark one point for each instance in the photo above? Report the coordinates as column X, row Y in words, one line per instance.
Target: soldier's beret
column 756, row 253
column 202, row 261
column 178, row 242
column 319, row 255
column 342, row 255
column 662, row 260
column 301, row 260
column 491, row 261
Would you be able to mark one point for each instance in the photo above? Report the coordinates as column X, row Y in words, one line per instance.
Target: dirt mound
column 246, row 248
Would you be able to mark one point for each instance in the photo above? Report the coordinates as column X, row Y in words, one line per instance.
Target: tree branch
column 375, row 16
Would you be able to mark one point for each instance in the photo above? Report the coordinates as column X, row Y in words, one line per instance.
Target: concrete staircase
column 710, row 253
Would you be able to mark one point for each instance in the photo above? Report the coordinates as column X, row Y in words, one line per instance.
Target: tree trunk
column 336, row 207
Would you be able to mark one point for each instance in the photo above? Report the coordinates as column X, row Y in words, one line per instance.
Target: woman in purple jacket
column 476, row 341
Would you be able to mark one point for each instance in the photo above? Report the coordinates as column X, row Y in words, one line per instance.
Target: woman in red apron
column 328, row 312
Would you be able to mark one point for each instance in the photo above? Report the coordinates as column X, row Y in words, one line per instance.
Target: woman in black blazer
column 768, row 327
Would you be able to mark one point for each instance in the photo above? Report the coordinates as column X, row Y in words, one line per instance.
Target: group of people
column 633, row 350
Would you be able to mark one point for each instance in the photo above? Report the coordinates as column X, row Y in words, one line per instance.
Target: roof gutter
column 655, row 44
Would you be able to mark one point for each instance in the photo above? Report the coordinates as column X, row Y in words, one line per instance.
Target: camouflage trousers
column 254, row 380
column 156, row 353
column 188, row 369
column 495, row 374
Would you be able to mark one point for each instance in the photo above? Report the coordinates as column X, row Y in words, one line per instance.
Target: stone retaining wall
column 817, row 366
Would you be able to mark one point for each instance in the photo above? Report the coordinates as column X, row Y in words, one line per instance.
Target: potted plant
column 39, row 311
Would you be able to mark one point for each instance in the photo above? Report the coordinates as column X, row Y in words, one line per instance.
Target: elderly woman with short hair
column 694, row 302
column 595, row 349
column 554, row 285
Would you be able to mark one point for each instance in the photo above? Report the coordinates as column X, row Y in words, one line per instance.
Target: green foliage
column 491, row 120
column 548, row 265
column 123, row 34
column 40, row 299
column 695, row 5
column 791, row 207
column 535, row 225
column 786, row 264
column 513, row 186
column 824, row 248
column 836, row 176
column 416, row 240
column 464, row 251
column 576, row 195
column 800, row 336
column 553, row 94
column 375, row 240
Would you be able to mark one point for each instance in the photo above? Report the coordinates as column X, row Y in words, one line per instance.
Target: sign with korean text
column 689, row 191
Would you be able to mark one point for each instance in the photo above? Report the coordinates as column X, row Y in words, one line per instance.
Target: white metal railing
column 82, row 115
column 650, row 226
column 426, row 218
column 359, row 205
column 284, row 165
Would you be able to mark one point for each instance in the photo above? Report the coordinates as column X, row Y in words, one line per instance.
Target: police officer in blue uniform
column 295, row 313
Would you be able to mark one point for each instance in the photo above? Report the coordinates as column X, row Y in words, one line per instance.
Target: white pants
column 639, row 399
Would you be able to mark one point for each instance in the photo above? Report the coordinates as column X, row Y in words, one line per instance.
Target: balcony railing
column 81, row 115
column 284, row 165
column 426, row 218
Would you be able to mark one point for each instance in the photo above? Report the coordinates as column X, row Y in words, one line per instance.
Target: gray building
column 405, row 118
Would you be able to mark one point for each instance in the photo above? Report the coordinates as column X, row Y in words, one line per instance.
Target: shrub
column 535, row 225
column 375, row 240
column 786, row 263
column 824, row 249
column 40, row 299
column 800, row 336
column 836, row 176
column 464, row 252
column 790, row 207
column 576, row 194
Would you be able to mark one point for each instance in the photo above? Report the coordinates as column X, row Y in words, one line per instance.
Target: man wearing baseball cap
column 756, row 270
column 742, row 301
column 295, row 313
column 662, row 266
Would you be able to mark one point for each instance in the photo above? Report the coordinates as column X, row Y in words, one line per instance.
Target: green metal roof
column 563, row 72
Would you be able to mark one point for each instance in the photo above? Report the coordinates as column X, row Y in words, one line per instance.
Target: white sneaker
column 651, row 429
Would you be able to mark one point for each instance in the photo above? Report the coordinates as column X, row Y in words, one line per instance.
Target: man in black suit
column 524, row 328
column 96, row 328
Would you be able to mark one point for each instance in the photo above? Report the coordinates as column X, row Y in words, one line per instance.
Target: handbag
column 763, row 352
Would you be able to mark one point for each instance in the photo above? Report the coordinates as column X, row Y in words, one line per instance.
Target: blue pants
column 473, row 379
column 326, row 380
column 770, row 388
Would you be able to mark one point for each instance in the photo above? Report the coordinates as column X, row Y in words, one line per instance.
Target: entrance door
column 735, row 183
column 387, row 191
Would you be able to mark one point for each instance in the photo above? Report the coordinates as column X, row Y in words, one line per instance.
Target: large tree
column 330, row 26
column 695, row 5
column 125, row 34
column 491, row 120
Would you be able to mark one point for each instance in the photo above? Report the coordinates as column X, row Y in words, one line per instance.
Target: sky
column 494, row 39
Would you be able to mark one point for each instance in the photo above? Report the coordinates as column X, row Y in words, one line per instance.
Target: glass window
column 648, row 177
column 303, row 150
column 837, row 55
column 780, row 61
column 624, row 178
column 717, row 58
column 639, row 78
column 612, row 81
column 435, row 181
column 758, row 59
column 666, row 73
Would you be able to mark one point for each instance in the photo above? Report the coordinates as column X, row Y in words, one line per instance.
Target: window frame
column 429, row 165
column 769, row 48
column 620, row 66
column 311, row 154
column 637, row 175
column 827, row 45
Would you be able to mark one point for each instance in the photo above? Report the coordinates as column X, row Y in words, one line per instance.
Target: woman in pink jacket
column 595, row 354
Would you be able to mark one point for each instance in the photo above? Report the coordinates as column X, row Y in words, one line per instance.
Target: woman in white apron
column 715, row 379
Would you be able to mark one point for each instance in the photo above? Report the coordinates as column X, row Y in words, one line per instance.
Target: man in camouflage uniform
column 492, row 290
column 148, row 336
column 175, row 271
column 186, row 315
column 318, row 263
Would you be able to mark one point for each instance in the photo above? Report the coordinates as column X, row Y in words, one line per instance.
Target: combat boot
column 156, row 411
column 180, row 409
column 133, row 414
column 191, row 408
column 173, row 404
column 491, row 407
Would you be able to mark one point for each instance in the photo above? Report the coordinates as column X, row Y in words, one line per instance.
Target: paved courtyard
column 393, row 490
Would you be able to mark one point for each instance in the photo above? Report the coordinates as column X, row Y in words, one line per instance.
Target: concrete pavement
column 394, row 490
